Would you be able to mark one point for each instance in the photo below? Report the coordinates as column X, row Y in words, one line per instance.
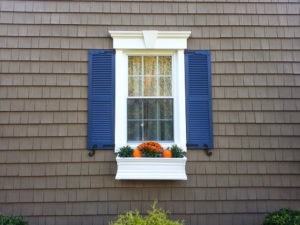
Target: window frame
column 178, row 94
column 149, row 41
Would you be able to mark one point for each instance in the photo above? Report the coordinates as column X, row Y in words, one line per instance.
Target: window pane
column 150, row 65
column 166, row 130
column 165, row 65
column 166, row 109
column 165, row 86
column 135, row 109
column 150, row 86
column 134, row 129
column 150, row 129
column 150, row 109
column 134, row 86
column 134, row 65
column 150, row 119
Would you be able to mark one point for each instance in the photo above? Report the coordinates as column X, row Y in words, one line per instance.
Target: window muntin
column 150, row 101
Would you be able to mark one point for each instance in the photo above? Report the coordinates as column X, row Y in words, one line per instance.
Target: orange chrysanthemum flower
column 151, row 145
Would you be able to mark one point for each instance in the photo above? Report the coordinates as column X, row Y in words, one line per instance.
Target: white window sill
column 151, row 168
column 163, row 144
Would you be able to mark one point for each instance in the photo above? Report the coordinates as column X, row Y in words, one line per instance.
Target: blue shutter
column 198, row 100
column 101, row 99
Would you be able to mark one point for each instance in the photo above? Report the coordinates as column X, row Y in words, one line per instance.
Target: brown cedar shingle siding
column 45, row 172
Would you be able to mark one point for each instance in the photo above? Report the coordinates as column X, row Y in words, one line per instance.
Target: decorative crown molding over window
column 150, row 39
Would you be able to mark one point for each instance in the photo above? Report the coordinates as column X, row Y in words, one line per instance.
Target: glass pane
column 153, row 117
column 166, row 130
column 135, row 109
column 150, row 109
column 166, row 109
column 134, row 130
column 149, row 65
column 150, row 86
column 150, row 129
column 165, row 65
column 165, row 86
column 134, row 86
column 134, row 65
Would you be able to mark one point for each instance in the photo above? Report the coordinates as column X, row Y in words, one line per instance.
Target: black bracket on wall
column 104, row 146
column 206, row 149
column 93, row 150
column 196, row 146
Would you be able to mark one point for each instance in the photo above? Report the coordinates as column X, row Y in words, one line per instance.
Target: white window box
column 145, row 168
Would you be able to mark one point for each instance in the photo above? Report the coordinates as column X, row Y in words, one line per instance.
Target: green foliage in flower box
column 177, row 152
column 125, row 151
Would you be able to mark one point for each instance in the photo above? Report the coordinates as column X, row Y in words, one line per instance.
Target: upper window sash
column 156, row 75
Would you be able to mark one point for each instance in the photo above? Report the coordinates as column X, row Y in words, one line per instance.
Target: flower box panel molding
column 151, row 168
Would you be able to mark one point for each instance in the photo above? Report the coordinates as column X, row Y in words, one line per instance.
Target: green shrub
column 154, row 217
column 12, row 220
column 283, row 217
column 130, row 218
column 125, row 151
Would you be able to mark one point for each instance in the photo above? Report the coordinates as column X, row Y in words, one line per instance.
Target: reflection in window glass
column 134, row 65
column 135, row 86
column 165, row 65
column 149, row 75
column 134, row 131
column 150, row 86
column 150, row 65
column 148, row 118
column 165, row 86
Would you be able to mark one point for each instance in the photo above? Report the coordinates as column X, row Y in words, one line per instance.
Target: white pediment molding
column 150, row 39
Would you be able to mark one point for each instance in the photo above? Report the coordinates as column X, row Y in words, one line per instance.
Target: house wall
column 46, row 174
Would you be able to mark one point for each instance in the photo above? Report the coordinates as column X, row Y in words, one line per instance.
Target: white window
column 150, row 88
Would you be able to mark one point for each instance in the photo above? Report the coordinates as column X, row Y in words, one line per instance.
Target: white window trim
column 149, row 43
column 150, row 39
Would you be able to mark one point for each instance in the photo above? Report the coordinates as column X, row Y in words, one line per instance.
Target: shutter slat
column 101, row 99
column 198, row 99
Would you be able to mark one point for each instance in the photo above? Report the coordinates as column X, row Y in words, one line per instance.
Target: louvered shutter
column 101, row 97
column 198, row 100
